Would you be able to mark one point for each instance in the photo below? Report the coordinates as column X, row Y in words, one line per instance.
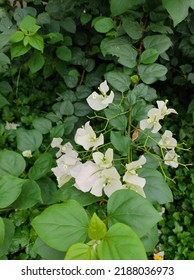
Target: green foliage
column 52, row 57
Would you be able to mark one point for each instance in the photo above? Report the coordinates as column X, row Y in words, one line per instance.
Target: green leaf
column 29, row 196
column 128, row 207
column 121, row 243
column 41, row 166
column 161, row 43
column 36, row 62
column 64, row 53
column 81, row 109
column 145, row 91
column 27, row 23
column 120, row 7
column 4, row 60
column 85, row 18
column 120, row 142
column 149, row 74
column 8, row 237
column 10, row 189
column 121, row 48
column 62, row 225
column 55, row 37
column 68, row 191
column 11, row 163
column 43, row 125
column 19, row 49
column 5, row 87
column 178, row 9
column 68, row 24
column 81, row 251
column 119, row 80
column 66, row 108
column 97, row 228
column 37, row 42
column 28, row 139
column 149, row 56
column 150, row 240
column 2, row 231
column 119, row 123
column 104, row 24
column 46, row 252
column 48, row 190
column 156, row 189
column 17, row 37
column 132, row 28
column 3, row 100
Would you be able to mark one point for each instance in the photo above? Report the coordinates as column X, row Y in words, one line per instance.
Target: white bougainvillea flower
column 108, row 182
column 163, row 108
column 85, row 175
column 154, row 116
column 100, row 101
column 167, row 141
column 103, row 160
column 11, row 126
column 158, row 256
column 131, row 177
column 86, row 137
column 65, row 163
column 27, row 153
column 56, row 142
column 171, row 158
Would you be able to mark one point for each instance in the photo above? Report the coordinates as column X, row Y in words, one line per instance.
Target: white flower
column 85, row 175
column 27, row 153
column 65, row 163
column 163, row 109
column 100, row 101
column 103, row 160
column 86, row 137
column 56, row 142
column 108, row 182
column 131, row 177
column 167, row 140
column 11, row 126
column 159, row 256
column 171, row 159
column 154, row 115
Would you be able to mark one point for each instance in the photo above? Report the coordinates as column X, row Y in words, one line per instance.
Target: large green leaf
column 120, row 7
column 121, row 243
column 150, row 240
column 3, row 100
column 119, row 80
column 28, row 139
column 48, row 190
column 11, row 163
column 97, row 228
column 178, row 9
column 156, row 188
column 104, row 24
column 10, row 189
column 2, row 231
column 19, row 49
column 161, row 43
column 62, row 225
column 41, row 166
column 8, row 237
column 43, row 125
column 122, row 49
column 149, row 56
column 29, row 196
column 152, row 73
column 36, row 62
column 120, row 142
column 128, row 207
column 64, row 53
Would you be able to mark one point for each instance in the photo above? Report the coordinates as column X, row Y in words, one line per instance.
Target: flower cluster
column 167, row 142
column 97, row 175
column 95, row 172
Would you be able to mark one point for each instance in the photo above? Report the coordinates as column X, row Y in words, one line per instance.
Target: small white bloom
column 86, row 137
column 108, row 182
column 159, row 256
column 131, row 177
column 167, row 140
column 154, row 116
column 85, row 175
column 11, row 126
column 27, row 153
column 100, row 101
column 171, row 159
column 163, row 108
column 56, row 142
column 136, row 189
column 103, row 160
